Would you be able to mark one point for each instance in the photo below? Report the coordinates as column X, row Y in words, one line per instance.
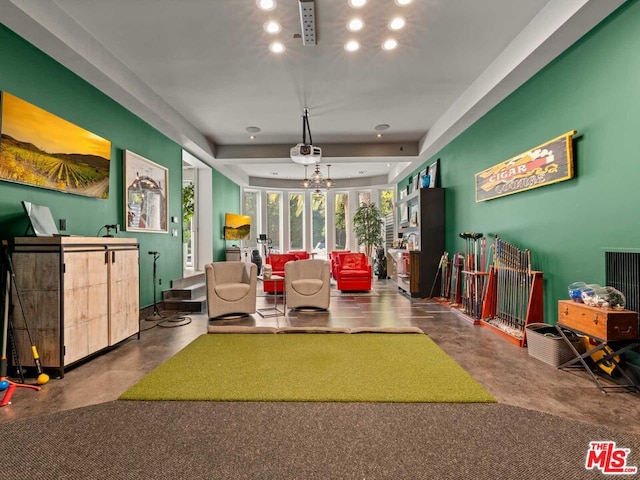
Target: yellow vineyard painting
column 38, row 148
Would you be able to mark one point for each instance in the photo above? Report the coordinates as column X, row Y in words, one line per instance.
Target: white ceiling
column 200, row 71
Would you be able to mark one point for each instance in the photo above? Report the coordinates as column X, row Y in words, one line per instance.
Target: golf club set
column 8, row 334
column 463, row 276
column 465, row 281
column 513, row 286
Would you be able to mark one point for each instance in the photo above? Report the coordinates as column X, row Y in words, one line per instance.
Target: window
column 319, row 225
column 274, row 219
column 252, row 208
column 296, row 221
column 364, row 197
column 341, row 220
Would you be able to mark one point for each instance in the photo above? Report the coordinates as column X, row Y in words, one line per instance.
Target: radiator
column 623, row 273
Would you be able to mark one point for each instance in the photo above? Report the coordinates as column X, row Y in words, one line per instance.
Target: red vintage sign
column 545, row 164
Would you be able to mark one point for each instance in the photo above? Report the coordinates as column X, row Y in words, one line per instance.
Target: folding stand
column 612, row 351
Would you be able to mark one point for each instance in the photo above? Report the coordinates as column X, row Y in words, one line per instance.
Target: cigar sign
column 545, row 164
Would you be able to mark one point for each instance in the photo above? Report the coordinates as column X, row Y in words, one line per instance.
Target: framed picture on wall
column 145, row 194
column 404, row 213
column 40, row 149
column 433, row 174
column 413, row 215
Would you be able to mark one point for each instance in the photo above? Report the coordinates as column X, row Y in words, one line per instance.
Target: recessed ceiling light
column 388, row 164
column 382, row 127
column 397, row 23
column 253, row 129
column 266, row 5
column 355, row 25
column 379, row 135
column 357, row 3
column 402, row 3
column 277, row 47
column 252, row 137
column 389, row 44
column 351, row 46
column 272, row 27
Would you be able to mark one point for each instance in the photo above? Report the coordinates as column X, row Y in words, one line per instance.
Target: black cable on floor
column 167, row 322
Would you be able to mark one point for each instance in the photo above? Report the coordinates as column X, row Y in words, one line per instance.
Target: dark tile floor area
column 505, row 370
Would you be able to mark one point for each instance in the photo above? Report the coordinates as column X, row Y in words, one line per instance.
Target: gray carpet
column 218, row 440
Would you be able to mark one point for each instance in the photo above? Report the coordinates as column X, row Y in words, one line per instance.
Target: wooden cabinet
column 600, row 323
column 80, row 295
column 427, row 205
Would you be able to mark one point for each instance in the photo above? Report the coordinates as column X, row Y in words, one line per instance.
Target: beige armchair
column 231, row 288
column 307, row 284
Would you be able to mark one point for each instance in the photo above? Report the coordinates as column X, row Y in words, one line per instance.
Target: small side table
column 275, row 310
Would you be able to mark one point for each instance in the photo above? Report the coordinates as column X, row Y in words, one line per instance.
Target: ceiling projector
column 306, row 154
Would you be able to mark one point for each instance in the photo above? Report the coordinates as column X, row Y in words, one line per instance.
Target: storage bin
column 545, row 343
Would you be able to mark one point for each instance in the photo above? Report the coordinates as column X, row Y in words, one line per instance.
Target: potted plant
column 367, row 226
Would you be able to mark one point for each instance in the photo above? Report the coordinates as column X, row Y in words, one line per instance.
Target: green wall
column 594, row 88
column 226, row 198
column 33, row 76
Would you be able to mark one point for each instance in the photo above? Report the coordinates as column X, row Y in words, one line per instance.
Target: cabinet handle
column 113, row 257
column 595, row 319
column 617, row 328
column 566, row 311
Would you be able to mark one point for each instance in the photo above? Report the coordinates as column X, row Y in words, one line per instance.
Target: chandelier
column 317, row 182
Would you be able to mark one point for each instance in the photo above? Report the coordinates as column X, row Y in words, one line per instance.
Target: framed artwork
column 433, row 174
column 404, row 213
column 40, row 149
column 416, row 182
column 145, row 194
column 413, row 215
column 549, row 163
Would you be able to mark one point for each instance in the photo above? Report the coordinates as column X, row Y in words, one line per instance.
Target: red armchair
column 277, row 261
column 301, row 254
column 333, row 258
column 354, row 272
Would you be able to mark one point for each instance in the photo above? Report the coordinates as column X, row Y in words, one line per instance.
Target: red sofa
column 277, row 261
column 354, row 272
column 301, row 254
column 333, row 259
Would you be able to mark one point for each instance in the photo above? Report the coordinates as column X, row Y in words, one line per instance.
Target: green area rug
column 310, row 368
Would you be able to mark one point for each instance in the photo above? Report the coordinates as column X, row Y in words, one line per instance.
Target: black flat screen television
column 40, row 219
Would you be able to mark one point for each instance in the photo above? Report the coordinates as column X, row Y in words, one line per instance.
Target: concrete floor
column 504, row 369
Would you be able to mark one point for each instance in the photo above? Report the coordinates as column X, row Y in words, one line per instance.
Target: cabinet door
column 124, row 304
column 37, row 278
column 86, row 321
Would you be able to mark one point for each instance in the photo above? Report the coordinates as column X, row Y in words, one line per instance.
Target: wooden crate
column 604, row 324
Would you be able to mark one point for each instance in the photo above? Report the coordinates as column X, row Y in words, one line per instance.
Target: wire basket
column 545, row 343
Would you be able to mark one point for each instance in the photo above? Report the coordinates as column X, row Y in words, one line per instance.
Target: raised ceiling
column 201, row 72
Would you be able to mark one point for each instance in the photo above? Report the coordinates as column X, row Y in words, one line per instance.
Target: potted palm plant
column 367, row 226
